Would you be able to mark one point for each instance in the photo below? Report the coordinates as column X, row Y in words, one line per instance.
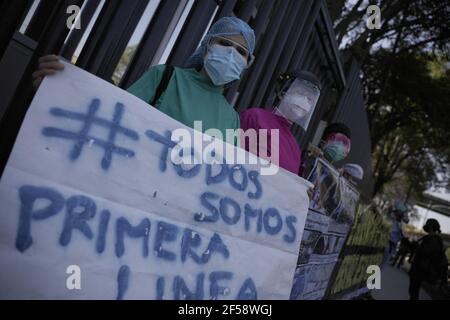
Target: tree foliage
column 405, row 69
column 419, row 23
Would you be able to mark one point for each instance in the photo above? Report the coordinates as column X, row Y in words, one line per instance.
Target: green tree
column 405, row 69
column 410, row 124
column 420, row 23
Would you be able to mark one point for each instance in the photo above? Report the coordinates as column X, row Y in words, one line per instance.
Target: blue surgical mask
column 224, row 64
column 334, row 151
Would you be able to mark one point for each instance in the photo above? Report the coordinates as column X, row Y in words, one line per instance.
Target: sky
column 424, row 214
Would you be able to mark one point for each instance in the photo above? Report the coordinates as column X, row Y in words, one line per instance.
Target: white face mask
column 298, row 103
column 295, row 107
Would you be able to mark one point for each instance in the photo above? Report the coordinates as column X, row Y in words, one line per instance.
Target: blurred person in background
column 429, row 262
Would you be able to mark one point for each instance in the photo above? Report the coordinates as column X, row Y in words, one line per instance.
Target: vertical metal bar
column 11, row 16
column 40, row 17
column 250, row 86
column 289, row 48
column 247, row 10
column 225, row 9
column 115, row 39
column 301, row 45
column 192, row 31
column 119, row 35
column 51, row 39
column 348, row 94
column 13, row 64
column 331, row 37
column 76, row 35
column 277, row 48
column 150, row 41
column 98, row 31
column 263, row 12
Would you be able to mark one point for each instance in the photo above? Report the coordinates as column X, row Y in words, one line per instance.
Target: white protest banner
column 93, row 207
column 330, row 217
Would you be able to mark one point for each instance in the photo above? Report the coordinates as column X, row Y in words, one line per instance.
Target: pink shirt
column 290, row 153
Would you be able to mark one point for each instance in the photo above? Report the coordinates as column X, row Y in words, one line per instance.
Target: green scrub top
column 189, row 97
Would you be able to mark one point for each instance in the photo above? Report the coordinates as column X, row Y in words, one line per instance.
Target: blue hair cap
column 226, row 26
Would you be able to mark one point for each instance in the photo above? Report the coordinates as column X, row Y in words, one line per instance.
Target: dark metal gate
column 119, row 40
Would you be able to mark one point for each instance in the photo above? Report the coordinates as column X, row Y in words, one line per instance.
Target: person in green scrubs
column 194, row 93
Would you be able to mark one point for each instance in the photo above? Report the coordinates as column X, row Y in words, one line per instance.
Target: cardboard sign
column 94, row 207
column 330, row 218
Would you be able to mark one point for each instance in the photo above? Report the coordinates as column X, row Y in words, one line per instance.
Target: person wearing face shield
column 297, row 94
column 194, row 93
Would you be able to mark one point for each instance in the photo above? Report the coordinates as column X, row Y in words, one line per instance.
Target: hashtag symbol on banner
column 82, row 137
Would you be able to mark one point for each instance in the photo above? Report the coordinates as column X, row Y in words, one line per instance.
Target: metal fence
column 119, row 40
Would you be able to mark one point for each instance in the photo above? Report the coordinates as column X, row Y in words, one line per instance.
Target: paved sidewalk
column 394, row 285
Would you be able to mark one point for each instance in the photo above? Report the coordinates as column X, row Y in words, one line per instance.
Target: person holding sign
column 194, row 93
column 297, row 94
column 334, row 147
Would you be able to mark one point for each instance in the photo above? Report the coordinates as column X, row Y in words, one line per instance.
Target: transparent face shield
column 298, row 103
